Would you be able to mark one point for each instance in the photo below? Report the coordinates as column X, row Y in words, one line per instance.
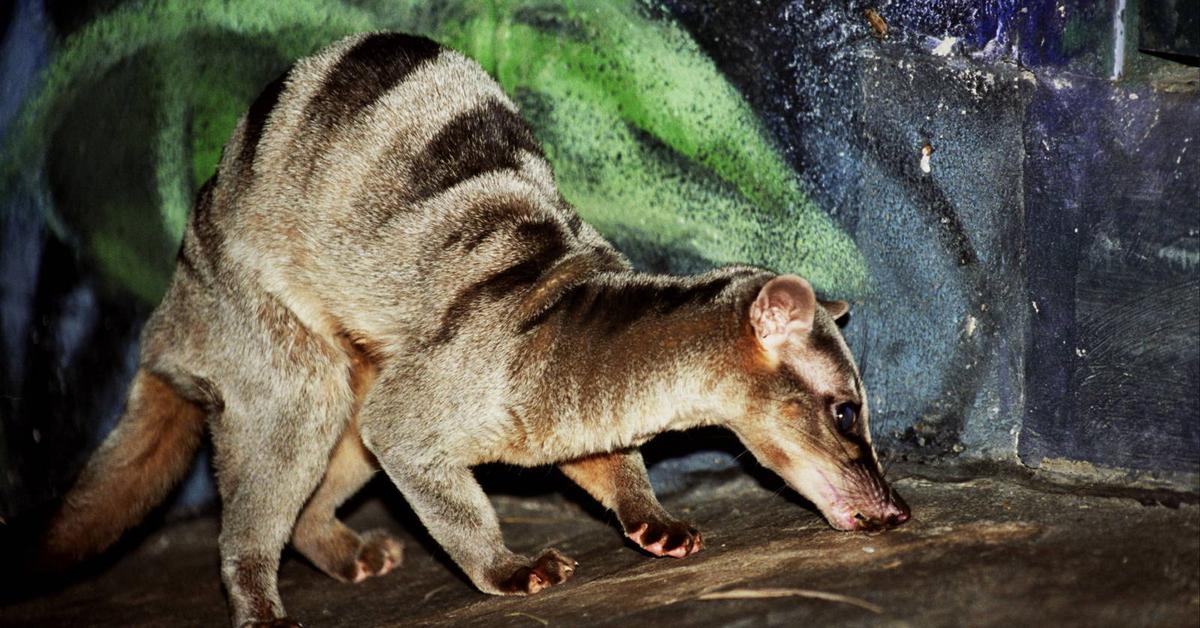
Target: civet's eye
column 846, row 415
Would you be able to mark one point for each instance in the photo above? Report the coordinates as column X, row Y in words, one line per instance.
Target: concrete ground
column 979, row 552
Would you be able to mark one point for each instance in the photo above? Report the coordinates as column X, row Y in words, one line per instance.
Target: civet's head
column 807, row 414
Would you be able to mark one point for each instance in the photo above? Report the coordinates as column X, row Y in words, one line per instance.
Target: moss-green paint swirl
column 648, row 140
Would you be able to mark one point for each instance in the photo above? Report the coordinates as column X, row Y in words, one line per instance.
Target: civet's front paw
column 549, row 569
column 666, row 538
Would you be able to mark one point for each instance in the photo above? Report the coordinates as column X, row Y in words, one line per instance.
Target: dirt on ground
column 980, row 551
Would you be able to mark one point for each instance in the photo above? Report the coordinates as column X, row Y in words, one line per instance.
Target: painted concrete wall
column 1035, row 294
column 1028, row 295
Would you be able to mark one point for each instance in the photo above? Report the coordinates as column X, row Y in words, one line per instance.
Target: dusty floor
column 980, row 552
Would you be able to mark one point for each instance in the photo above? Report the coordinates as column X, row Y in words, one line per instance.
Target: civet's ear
column 783, row 311
column 838, row 310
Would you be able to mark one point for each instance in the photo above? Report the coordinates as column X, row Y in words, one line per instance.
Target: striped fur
column 383, row 272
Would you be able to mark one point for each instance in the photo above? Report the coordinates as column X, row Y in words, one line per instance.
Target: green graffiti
column 647, row 138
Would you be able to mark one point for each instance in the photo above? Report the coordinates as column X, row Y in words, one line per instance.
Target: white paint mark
column 1080, row 352
column 1060, row 83
column 1035, row 307
column 37, row 436
column 925, row 166
column 945, row 47
column 1118, row 41
column 970, row 326
column 868, row 549
column 1186, row 258
column 1133, row 96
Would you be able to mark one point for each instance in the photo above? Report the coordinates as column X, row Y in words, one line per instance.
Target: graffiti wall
column 1007, row 196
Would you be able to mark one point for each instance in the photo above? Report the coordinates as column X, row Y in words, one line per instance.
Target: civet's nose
column 897, row 511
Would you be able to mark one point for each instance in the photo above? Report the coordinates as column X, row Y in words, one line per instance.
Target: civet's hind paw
column 380, row 553
column 666, row 538
column 549, row 569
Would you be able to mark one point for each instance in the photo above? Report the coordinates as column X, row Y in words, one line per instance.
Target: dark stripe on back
column 365, row 73
column 545, row 244
column 488, row 217
column 256, row 117
column 613, row 309
column 484, row 139
column 184, row 260
column 574, row 222
column 569, row 272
